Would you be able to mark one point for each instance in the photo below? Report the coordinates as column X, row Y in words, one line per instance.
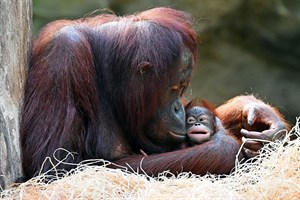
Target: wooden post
column 15, row 32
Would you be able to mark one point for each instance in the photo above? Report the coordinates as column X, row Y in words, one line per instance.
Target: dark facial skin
column 166, row 130
column 200, row 125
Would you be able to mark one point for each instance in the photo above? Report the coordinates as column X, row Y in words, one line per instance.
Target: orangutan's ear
column 144, row 67
column 192, row 103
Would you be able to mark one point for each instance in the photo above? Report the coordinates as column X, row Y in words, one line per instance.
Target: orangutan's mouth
column 199, row 133
column 177, row 135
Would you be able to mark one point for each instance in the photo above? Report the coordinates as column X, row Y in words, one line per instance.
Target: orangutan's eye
column 182, row 90
column 191, row 120
column 180, row 87
column 202, row 118
column 176, row 87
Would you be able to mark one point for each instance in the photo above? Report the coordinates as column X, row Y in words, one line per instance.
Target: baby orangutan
column 200, row 125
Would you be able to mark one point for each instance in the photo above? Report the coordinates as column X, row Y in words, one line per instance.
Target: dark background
column 245, row 46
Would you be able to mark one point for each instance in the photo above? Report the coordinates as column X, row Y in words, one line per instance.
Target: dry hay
column 274, row 175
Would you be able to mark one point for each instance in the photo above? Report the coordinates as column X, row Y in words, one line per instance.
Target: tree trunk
column 15, row 26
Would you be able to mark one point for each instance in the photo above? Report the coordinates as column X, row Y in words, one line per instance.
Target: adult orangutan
column 108, row 87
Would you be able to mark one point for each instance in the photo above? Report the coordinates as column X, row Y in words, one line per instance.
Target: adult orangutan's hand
column 263, row 122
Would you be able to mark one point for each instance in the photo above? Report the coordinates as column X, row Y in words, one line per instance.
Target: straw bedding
column 275, row 174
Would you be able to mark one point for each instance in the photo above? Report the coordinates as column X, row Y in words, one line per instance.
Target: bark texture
column 15, row 26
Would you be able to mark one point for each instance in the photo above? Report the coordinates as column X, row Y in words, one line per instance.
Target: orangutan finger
column 250, row 154
column 252, row 116
column 250, row 134
column 265, row 135
column 274, row 134
column 253, row 145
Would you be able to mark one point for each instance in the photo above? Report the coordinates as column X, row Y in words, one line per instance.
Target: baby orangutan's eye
column 202, row 118
column 191, row 120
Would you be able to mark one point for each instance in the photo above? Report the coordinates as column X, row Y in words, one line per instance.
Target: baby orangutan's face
column 200, row 124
